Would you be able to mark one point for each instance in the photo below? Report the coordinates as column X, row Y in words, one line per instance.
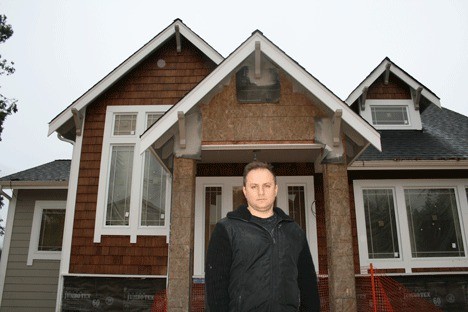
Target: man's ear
column 244, row 191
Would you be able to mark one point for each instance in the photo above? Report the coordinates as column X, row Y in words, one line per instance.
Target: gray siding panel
column 33, row 286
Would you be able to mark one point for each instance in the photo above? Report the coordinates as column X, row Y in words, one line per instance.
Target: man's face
column 260, row 191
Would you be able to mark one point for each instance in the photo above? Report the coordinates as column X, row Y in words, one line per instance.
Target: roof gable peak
column 386, row 66
column 175, row 28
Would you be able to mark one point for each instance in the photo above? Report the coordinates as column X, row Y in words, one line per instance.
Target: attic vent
column 265, row 89
column 390, row 115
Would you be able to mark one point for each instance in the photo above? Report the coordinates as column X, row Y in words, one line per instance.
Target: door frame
column 226, row 183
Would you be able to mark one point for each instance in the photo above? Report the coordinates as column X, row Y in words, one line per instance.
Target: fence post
column 374, row 298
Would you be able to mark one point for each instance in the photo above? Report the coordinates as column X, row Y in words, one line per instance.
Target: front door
column 216, row 196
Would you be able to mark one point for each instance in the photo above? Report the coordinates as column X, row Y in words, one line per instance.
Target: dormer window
column 389, row 115
column 392, row 114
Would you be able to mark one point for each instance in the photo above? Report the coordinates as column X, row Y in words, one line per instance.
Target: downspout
column 69, row 213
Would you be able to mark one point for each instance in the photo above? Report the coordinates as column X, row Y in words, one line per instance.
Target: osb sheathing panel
column 147, row 84
column 291, row 120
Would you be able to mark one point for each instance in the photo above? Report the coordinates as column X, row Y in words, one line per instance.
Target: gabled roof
column 444, row 137
column 129, row 64
column 287, row 64
column 53, row 173
column 400, row 73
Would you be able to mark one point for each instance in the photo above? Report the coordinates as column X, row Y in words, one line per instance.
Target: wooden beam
column 78, row 120
column 2, row 192
column 417, row 98
column 387, row 73
column 182, row 131
column 177, row 34
column 362, row 98
column 258, row 68
column 336, row 127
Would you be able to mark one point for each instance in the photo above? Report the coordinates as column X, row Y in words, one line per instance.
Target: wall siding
column 147, row 84
column 34, row 286
column 394, row 90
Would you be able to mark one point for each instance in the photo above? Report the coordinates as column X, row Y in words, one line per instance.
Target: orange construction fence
column 374, row 293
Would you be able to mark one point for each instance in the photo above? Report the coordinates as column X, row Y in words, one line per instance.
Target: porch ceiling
column 269, row 153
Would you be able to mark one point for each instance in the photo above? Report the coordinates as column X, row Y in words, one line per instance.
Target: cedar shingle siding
column 147, row 84
column 394, row 90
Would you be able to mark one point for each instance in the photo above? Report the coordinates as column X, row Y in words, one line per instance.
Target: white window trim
column 414, row 117
column 406, row 261
column 34, row 253
column 226, row 183
column 134, row 228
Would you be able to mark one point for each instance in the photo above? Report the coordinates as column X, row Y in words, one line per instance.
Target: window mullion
column 404, row 228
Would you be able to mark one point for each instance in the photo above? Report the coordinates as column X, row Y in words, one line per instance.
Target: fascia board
column 367, row 82
column 409, row 165
column 415, row 85
column 316, row 88
column 196, row 94
column 34, row 185
column 130, row 63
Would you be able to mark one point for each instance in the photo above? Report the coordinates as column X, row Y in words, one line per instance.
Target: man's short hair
column 257, row 165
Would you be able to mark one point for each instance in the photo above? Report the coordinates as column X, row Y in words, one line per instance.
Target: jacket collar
column 242, row 212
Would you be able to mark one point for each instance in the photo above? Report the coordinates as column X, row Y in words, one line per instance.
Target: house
column 159, row 146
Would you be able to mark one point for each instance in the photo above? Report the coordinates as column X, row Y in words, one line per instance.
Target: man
column 258, row 258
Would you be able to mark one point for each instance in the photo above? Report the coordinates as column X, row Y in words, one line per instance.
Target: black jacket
column 249, row 269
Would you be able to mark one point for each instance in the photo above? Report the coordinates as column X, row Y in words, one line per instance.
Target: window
column 258, row 87
column 296, row 204
column 411, row 224
column 47, row 231
column 392, row 114
column 434, row 225
column 379, row 209
column 133, row 197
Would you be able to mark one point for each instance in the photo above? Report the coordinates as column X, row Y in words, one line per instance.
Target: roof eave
column 452, row 164
column 33, row 184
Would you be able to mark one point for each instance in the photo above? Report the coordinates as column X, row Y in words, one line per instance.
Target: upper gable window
column 392, row 114
column 133, row 196
column 258, row 83
column 389, row 115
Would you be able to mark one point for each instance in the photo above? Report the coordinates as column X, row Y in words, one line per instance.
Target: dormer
column 390, row 99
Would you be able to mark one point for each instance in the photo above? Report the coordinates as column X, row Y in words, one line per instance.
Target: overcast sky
column 62, row 48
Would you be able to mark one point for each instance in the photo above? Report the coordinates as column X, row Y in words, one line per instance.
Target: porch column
column 341, row 280
column 181, row 240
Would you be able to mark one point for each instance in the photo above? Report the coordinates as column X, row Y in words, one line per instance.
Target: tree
column 7, row 106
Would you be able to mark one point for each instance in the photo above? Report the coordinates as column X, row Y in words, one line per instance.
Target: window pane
column 125, row 124
column 153, row 205
column 238, row 197
column 50, row 237
column 296, row 202
column 389, row 115
column 120, row 183
column 382, row 237
column 152, row 118
column 213, row 209
column 433, row 222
